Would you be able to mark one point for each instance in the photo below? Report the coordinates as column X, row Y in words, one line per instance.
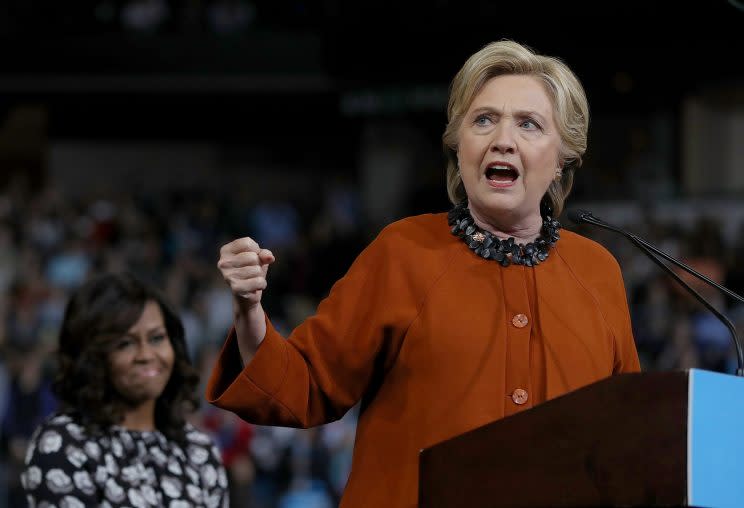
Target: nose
column 145, row 351
column 503, row 139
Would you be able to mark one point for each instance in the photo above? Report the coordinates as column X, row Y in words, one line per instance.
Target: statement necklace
column 506, row 252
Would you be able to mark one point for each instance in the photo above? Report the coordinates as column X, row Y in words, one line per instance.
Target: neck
column 523, row 230
column 141, row 417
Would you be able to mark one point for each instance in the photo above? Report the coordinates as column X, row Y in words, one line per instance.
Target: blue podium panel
column 715, row 451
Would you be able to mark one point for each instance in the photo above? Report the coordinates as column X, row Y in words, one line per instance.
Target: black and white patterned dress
column 67, row 468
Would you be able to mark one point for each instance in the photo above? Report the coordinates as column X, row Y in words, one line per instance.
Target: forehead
column 151, row 316
column 514, row 92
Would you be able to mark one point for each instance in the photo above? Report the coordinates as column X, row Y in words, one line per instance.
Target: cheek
column 119, row 378
column 544, row 161
column 168, row 356
column 117, row 368
column 470, row 150
column 551, row 153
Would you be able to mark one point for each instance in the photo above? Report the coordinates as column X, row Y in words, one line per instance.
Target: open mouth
column 502, row 173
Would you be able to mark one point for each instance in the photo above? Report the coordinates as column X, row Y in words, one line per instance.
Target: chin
column 138, row 399
column 499, row 204
column 144, row 395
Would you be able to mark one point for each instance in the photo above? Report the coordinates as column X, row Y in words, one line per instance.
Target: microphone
column 586, row 217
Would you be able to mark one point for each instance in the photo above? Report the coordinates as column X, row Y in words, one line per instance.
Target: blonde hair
column 563, row 88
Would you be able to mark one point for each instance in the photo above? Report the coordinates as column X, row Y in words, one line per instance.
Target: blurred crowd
column 672, row 329
column 51, row 242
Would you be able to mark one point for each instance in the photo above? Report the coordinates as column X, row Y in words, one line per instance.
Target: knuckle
column 247, row 243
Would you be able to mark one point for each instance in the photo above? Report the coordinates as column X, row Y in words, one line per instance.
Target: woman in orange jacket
column 446, row 321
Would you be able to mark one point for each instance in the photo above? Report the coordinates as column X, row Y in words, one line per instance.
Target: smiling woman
column 141, row 366
column 126, row 384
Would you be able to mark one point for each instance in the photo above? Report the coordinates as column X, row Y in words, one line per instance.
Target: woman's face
column 508, row 149
column 141, row 361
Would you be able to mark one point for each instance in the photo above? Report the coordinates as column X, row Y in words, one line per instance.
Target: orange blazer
column 434, row 341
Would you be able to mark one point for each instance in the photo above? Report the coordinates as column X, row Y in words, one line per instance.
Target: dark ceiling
column 304, row 57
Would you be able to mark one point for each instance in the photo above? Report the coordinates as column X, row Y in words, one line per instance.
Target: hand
column 244, row 265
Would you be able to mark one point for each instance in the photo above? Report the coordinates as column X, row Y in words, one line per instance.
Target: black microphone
column 586, row 217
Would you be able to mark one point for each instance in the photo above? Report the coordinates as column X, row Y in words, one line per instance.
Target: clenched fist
column 244, row 265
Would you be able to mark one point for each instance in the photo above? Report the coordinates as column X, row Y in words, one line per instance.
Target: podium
column 631, row 440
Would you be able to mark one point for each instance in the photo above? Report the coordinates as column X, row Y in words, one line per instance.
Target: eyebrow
column 519, row 113
column 154, row 329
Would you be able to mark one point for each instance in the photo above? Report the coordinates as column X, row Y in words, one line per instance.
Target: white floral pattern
column 136, row 498
column 32, row 478
column 93, row 450
column 82, row 481
column 101, row 474
column 192, row 474
column 50, row 442
column 209, row 475
column 158, row 455
column 71, row 502
column 199, row 438
column 222, row 477
column 171, row 487
column 175, row 467
column 198, row 455
column 76, row 456
column 194, row 492
column 113, row 491
column 30, row 451
column 58, row 482
column 76, row 431
column 116, row 448
column 129, row 474
column 68, row 468
column 112, row 468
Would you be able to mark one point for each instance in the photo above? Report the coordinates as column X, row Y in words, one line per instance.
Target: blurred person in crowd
column 68, row 267
column 653, row 311
column 125, row 386
column 679, row 351
column 735, row 269
column 308, row 464
column 446, row 322
column 8, row 257
column 705, row 254
column 232, row 435
column 28, row 402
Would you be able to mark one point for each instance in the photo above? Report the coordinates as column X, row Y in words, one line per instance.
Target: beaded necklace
column 506, row 252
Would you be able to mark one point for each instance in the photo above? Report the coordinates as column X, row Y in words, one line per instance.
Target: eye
column 157, row 339
column 482, row 120
column 529, row 124
column 123, row 344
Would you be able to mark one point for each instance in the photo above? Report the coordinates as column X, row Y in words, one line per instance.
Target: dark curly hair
column 98, row 313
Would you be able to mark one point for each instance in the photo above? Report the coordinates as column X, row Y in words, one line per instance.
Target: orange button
column 520, row 396
column 520, row 320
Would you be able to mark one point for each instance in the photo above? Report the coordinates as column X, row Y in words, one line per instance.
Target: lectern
column 631, row 440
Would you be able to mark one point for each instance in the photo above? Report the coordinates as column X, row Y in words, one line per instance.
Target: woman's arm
column 327, row 362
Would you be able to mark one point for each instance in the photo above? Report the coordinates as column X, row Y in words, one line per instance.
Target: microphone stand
column 654, row 253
